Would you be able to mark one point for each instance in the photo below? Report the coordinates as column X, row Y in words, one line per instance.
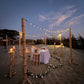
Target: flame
column 34, row 47
column 27, row 51
column 11, row 50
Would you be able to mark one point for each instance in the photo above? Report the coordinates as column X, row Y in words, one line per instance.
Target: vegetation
column 77, row 43
column 12, row 35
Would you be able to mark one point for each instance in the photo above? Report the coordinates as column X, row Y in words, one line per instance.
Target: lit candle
column 20, row 33
column 27, row 51
column 14, row 47
column 11, row 50
column 34, row 47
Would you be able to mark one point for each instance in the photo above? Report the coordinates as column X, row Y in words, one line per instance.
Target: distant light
column 40, row 28
column 20, row 33
column 34, row 25
column 11, row 50
column 60, row 35
column 37, row 27
column 58, row 46
column 30, row 23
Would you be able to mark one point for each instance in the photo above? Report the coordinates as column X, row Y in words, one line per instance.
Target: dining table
column 44, row 55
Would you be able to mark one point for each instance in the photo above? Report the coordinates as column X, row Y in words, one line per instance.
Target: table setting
column 44, row 54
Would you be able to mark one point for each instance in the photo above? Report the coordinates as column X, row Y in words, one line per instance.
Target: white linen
column 32, row 51
column 44, row 55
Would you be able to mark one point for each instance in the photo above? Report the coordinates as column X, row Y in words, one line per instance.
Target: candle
column 14, row 47
column 34, row 47
column 11, row 50
column 27, row 51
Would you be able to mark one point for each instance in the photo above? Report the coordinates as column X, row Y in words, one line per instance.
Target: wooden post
column 7, row 42
column 24, row 54
column 13, row 55
column 61, row 54
column 42, row 40
column 11, row 62
column 19, row 43
column 54, row 48
column 45, row 38
column 24, row 49
column 11, row 72
column 60, row 39
column 13, row 59
column 70, row 44
column 11, row 65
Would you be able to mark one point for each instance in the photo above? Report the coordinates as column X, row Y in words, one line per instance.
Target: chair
column 36, row 58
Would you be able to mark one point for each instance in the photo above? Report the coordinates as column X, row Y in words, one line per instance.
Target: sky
column 41, row 15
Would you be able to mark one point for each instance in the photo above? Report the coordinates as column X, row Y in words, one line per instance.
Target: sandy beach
column 67, row 74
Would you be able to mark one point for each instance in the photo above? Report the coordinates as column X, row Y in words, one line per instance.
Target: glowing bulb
column 11, row 50
column 20, row 33
column 30, row 23
column 60, row 35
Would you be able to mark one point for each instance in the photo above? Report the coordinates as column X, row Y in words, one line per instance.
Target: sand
column 67, row 74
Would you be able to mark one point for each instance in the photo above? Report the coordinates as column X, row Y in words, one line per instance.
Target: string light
column 62, row 31
column 30, row 23
column 37, row 27
column 33, row 36
column 34, row 25
column 54, row 32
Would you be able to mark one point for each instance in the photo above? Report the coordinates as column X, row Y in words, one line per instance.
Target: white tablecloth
column 32, row 51
column 44, row 55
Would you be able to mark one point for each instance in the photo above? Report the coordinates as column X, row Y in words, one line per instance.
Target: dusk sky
column 53, row 15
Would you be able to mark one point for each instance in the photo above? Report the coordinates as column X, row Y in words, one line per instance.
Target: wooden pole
column 13, row 56
column 42, row 40
column 60, row 39
column 24, row 54
column 54, row 46
column 6, row 42
column 45, row 38
column 24, row 49
column 61, row 54
column 19, row 43
column 70, row 44
column 11, row 72
column 11, row 65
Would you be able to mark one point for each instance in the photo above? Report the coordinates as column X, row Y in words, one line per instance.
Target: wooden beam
column 45, row 38
column 70, row 44
column 24, row 54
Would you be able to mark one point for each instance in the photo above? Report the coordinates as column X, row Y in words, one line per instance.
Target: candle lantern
column 11, row 72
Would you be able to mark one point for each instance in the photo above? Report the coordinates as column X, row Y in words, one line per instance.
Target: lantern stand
column 61, row 54
column 7, row 42
column 13, row 56
column 54, row 52
column 11, row 72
